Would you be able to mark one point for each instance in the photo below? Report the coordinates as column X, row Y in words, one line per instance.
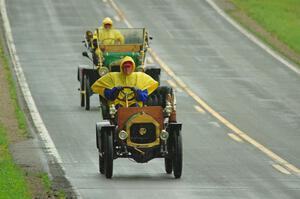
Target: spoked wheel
column 108, row 154
column 177, row 154
column 87, row 92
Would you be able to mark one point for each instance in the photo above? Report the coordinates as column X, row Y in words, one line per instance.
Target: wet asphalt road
column 238, row 79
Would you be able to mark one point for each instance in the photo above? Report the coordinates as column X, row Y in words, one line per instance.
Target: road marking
column 150, row 60
column 206, row 107
column 235, row 137
column 281, row 169
column 34, row 113
column 120, row 13
column 199, row 109
column 171, row 83
column 253, row 38
column 174, row 85
column 117, row 18
column 216, row 124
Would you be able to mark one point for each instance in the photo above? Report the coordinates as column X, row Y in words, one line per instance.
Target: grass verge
column 17, row 181
column 279, row 20
column 12, row 180
column 13, row 92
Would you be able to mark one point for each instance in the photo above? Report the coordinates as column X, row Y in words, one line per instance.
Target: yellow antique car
column 141, row 133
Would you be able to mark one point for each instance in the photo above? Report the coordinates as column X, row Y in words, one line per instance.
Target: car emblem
column 142, row 131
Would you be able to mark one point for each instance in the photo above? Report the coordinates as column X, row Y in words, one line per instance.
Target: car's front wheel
column 168, row 165
column 177, row 154
column 108, row 154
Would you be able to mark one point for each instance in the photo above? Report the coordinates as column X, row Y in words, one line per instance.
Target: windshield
column 133, row 35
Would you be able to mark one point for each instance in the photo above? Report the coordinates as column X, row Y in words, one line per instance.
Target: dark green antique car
column 135, row 46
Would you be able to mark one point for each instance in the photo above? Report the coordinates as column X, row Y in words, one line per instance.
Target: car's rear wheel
column 82, row 97
column 108, row 154
column 177, row 154
column 87, row 92
column 101, row 164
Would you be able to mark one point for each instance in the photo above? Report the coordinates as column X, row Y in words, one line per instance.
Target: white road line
column 36, row 117
column 235, row 137
column 34, row 113
column 281, row 169
column 199, row 109
column 120, row 13
column 174, row 85
column 117, row 18
column 150, row 60
column 253, row 38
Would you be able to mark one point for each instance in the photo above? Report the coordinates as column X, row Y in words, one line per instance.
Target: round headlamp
column 103, row 71
column 123, row 135
column 164, row 135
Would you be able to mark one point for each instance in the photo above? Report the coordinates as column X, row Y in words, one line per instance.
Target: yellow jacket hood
column 107, row 20
column 127, row 59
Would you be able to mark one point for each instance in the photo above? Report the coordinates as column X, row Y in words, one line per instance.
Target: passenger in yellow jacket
column 109, row 85
column 106, row 34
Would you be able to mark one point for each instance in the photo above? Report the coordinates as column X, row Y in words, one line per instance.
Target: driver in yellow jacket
column 110, row 85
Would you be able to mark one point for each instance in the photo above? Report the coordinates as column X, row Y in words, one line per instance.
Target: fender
column 174, row 127
column 102, row 127
column 80, row 71
column 153, row 71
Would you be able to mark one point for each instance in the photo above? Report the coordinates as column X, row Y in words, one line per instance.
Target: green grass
column 12, row 180
column 60, row 194
column 279, row 17
column 13, row 92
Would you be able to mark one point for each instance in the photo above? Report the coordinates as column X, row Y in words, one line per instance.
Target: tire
column 101, row 164
column 100, row 149
column 82, row 100
column 168, row 165
column 108, row 155
column 82, row 97
column 87, row 92
column 168, row 159
column 177, row 154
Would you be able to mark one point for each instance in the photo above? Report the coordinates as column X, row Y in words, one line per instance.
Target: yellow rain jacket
column 139, row 80
column 108, row 36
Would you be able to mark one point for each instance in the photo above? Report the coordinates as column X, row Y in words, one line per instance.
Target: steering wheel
column 126, row 94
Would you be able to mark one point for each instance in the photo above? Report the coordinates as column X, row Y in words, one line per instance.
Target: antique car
column 141, row 133
column 135, row 46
